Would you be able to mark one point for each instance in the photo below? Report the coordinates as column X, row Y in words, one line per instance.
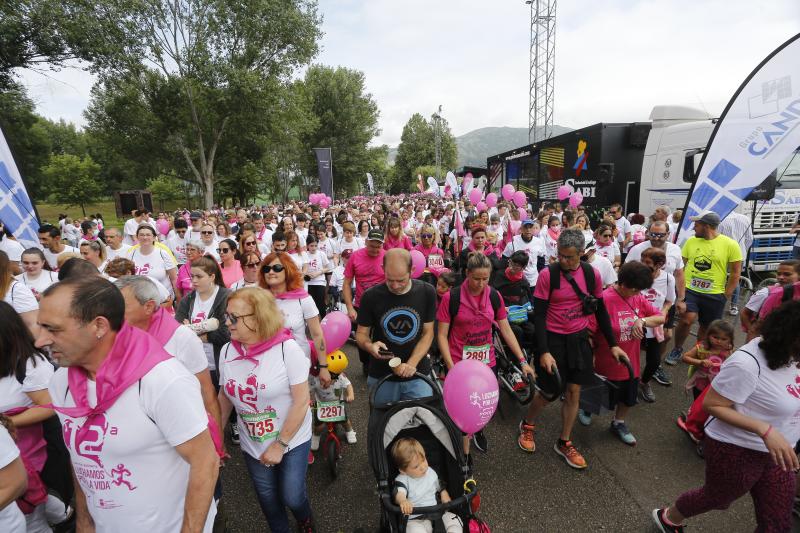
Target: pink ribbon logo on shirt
column 87, row 441
column 247, row 393
column 143, row 270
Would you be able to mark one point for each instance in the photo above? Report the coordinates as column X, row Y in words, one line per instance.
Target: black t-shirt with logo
column 397, row 320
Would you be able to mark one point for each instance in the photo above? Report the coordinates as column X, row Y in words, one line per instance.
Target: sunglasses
column 272, row 268
column 427, row 236
column 180, row 230
column 233, row 319
column 658, row 235
column 207, row 232
column 250, row 243
column 223, row 250
column 252, row 265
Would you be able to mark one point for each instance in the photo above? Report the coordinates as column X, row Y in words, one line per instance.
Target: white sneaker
column 351, row 436
column 314, row 443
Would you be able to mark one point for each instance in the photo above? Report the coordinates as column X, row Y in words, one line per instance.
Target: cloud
column 615, row 59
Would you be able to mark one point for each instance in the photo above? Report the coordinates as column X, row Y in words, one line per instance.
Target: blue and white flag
column 16, row 208
column 757, row 132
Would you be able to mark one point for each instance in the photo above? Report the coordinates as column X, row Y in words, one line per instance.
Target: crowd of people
column 132, row 352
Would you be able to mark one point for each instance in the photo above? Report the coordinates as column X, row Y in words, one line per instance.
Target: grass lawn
column 49, row 212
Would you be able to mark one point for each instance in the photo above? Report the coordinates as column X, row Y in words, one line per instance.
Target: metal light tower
column 542, row 69
column 437, row 141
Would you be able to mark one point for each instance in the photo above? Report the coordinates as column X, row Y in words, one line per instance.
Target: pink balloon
column 515, row 224
column 448, row 190
column 471, row 395
column 482, row 206
column 335, row 330
column 417, row 263
column 575, row 200
column 475, row 196
column 522, row 214
column 312, row 198
column 324, row 203
column 507, row 192
column 563, row 192
column 163, row 226
column 520, row 200
column 491, row 199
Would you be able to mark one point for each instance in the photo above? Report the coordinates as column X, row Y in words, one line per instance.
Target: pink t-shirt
column 565, row 312
column 403, row 242
column 366, row 270
column 623, row 314
column 775, row 299
column 470, row 335
column 232, row 274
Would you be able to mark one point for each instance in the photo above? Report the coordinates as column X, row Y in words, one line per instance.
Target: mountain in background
column 477, row 145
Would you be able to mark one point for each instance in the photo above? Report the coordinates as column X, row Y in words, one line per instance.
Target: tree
column 417, row 148
column 165, row 188
column 73, row 180
column 347, row 122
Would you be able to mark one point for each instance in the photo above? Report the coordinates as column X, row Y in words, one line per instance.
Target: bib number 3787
column 701, row 284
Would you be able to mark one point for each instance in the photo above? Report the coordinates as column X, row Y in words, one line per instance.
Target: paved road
column 522, row 492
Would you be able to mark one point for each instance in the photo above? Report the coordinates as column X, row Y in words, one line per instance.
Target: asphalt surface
column 526, row 492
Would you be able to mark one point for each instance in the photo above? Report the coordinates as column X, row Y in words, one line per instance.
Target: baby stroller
column 423, row 419
column 596, row 397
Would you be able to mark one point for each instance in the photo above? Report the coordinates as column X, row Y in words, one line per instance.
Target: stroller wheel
column 332, row 453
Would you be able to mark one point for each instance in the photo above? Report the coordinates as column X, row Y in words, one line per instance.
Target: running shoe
column 480, row 442
column 314, row 443
column 661, row 377
column 734, row 310
column 351, row 437
column 235, row 433
column 646, row 392
column 525, row 440
column 658, row 518
column 620, row 429
column 674, row 356
column 570, row 454
column 307, row 525
column 584, row 417
column 681, row 423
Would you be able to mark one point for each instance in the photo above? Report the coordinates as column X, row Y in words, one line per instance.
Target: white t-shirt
column 341, row 244
column 178, row 247
column 610, row 252
column 607, row 273
column 663, row 290
column 121, row 252
column 153, row 265
column 316, row 261
column 262, row 396
column 200, row 311
column 211, row 249
column 335, row 391
column 186, row 347
column 550, row 245
column 14, row 394
column 535, row 250
column 337, row 277
column 298, row 259
column 240, row 284
column 11, row 518
column 133, row 478
column 772, row 396
column 130, row 231
column 295, row 313
column 672, row 251
column 756, row 301
column 52, row 259
column 302, row 234
column 12, row 248
column 420, row 491
column 40, row 284
column 623, row 227
column 327, row 247
column 20, row 297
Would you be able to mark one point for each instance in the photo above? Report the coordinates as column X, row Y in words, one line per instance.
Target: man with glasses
column 114, row 245
column 177, row 243
column 658, row 233
column 623, row 226
column 562, row 312
column 196, row 218
column 708, row 257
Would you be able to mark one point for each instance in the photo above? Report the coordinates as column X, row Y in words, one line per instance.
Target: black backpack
column 555, row 278
column 455, row 302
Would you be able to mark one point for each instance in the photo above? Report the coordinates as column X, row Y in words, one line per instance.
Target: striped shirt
column 739, row 228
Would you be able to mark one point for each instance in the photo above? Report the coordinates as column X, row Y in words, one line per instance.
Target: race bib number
column 435, row 261
column 260, row 426
column 480, row 353
column 330, row 411
column 700, row 284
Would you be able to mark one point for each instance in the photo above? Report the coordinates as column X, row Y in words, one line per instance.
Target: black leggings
column 317, row 293
column 652, row 352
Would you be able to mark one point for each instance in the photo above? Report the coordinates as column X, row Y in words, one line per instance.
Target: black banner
column 324, row 169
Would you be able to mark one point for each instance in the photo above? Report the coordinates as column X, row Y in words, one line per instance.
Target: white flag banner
column 370, row 183
column 758, row 130
column 16, row 208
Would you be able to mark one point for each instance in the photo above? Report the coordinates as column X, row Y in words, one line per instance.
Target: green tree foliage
column 73, row 180
column 347, row 121
column 417, row 149
column 26, row 136
column 165, row 189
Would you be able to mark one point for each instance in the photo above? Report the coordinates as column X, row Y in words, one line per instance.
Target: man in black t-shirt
column 395, row 319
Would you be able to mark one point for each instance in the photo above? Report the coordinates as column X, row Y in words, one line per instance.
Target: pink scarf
column 488, row 249
column 481, row 305
column 554, row 232
column 428, row 251
column 253, row 353
column 291, row 295
column 162, row 326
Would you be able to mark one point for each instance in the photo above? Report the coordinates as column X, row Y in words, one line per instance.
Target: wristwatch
column 279, row 441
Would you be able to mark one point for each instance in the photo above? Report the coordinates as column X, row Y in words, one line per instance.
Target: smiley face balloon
column 337, row 362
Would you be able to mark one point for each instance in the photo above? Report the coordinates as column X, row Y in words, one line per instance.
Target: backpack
column 455, row 302
column 555, row 278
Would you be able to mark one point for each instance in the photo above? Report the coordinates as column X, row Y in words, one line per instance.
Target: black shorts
column 574, row 358
column 624, row 392
column 709, row 307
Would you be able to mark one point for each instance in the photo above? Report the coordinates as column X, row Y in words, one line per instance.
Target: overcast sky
column 615, row 59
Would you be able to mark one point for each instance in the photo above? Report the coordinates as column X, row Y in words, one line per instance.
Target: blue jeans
column 392, row 391
column 281, row 486
column 735, row 296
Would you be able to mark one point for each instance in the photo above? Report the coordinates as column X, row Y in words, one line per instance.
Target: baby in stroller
column 417, row 485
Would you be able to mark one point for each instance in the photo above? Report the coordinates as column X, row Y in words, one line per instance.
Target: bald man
column 395, row 320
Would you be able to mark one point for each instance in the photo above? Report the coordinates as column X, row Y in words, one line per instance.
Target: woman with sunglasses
column 434, row 256
column 266, row 382
column 154, row 261
column 208, row 236
column 194, row 250
column 283, row 279
column 248, row 242
column 229, row 264
column 250, row 263
column 607, row 244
